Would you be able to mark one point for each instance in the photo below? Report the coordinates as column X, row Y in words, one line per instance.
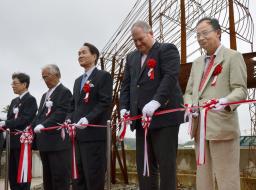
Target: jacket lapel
column 91, row 77
column 152, row 50
column 217, row 60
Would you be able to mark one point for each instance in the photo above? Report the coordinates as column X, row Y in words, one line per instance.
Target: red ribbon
column 151, row 64
column 72, row 135
column 25, row 161
column 124, row 124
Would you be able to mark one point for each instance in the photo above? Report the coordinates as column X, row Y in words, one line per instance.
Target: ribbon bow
column 25, row 161
column 145, row 124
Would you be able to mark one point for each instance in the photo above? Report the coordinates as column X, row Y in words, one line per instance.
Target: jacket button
column 138, row 86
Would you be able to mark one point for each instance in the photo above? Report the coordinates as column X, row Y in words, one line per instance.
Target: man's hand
column 38, row 128
column 150, row 108
column 190, row 110
column 2, row 123
column 219, row 106
column 82, row 121
column 123, row 112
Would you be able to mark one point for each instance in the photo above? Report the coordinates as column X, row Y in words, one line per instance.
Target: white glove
column 2, row 123
column 193, row 111
column 218, row 106
column 150, row 108
column 38, row 128
column 123, row 112
column 82, row 121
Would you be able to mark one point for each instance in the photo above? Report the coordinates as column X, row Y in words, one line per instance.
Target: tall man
column 92, row 98
column 141, row 93
column 228, row 84
column 55, row 152
column 20, row 114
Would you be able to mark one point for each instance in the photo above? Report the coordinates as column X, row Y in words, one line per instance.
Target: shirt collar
column 215, row 53
column 23, row 94
column 89, row 71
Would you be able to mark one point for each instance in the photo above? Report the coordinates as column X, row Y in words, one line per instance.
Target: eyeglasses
column 15, row 83
column 204, row 34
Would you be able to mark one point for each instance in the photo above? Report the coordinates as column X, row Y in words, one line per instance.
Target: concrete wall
column 186, row 167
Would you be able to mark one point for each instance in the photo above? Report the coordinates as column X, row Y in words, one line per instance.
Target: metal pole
column 6, row 185
column 108, row 155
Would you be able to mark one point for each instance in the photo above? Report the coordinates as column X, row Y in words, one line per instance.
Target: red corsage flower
column 151, row 63
column 215, row 74
column 87, row 89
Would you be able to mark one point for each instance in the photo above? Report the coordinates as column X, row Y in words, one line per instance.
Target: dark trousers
column 162, row 150
column 91, row 162
column 56, row 169
column 13, row 171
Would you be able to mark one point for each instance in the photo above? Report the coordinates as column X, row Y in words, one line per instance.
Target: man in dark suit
column 91, row 106
column 20, row 114
column 151, row 84
column 55, row 152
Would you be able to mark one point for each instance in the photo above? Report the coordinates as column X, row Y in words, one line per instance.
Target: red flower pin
column 86, row 89
column 151, row 64
column 215, row 73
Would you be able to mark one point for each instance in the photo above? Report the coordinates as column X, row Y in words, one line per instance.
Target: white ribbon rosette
column 49, row 105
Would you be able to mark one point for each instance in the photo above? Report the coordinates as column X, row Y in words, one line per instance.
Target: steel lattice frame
column 165, row 16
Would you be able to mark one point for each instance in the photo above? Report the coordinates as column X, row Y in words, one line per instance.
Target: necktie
column 83, row 81
column 206, row 73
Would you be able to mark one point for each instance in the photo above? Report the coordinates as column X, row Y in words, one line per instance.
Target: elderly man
column 55, row 151
column 20, row 114
column 220, row 74
column 151, row 84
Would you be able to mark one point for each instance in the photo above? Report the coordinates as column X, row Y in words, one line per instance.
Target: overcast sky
column 34, row 33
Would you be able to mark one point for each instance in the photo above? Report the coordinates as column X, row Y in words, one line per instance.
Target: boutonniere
column 151, row 64
column 215, row 74
column 16, row 112
column 87, row 88
column 49, row 105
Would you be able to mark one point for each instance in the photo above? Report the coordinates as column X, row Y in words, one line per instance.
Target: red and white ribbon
column 188, row 114
column 86, row 98
column 124, row 124
column 214, row 80
column 151, row 74
column 16, row 112
column 49, row 105
column 202, row 135
column 145, row 124
column 25, row 162
column 72, row 135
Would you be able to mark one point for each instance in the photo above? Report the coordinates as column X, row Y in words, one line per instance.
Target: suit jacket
column 231, row 83
column 51, row 140
column 27, row 110
column 137, row 89
column 98, row 108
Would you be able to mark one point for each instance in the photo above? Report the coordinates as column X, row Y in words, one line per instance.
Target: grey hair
column 53, row 69
column 142, row 24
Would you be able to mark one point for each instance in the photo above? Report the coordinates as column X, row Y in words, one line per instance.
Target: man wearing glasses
column 220, row 74
column 20, row 114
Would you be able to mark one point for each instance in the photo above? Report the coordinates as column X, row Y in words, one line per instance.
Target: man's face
column 142, row 40
column 85, row 58
column 50, row 79
column 207, row 37
column 18, row 87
